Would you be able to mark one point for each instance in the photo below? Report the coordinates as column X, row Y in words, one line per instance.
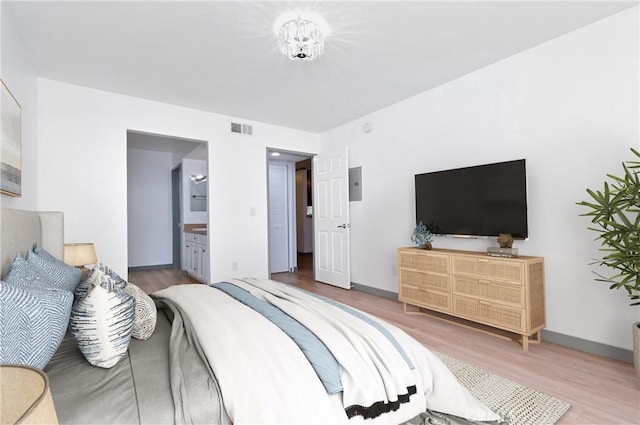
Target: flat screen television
column 484, row 200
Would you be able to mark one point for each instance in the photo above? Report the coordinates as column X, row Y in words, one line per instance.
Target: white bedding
column 265, row 378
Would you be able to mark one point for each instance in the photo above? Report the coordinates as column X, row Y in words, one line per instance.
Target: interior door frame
column 176, row 215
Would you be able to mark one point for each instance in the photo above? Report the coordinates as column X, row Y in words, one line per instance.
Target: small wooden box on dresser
column 497, row 295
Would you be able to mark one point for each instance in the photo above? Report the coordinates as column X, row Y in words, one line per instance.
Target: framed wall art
column 10, row 144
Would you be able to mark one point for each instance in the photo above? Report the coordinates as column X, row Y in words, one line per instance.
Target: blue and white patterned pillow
column 146, row 313
column 33, row 323
column 95, row 274
column 38, row 272
column 24, row 275
column 57, row 271
column 102, row 321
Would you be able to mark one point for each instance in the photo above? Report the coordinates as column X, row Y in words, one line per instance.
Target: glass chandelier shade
column 301, row 40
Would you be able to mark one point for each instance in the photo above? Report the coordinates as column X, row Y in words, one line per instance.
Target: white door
column 278, row 218
column 331, row 218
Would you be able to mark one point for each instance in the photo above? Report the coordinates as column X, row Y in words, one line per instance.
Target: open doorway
column 290, row 212
column 158, row 170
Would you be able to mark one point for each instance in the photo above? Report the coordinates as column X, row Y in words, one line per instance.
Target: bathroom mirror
column 198, row 192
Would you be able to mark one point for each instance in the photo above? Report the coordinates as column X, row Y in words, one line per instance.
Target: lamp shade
column 79, row 254
column 25, row 397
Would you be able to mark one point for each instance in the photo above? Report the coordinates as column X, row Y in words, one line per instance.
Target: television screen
column 484, row 200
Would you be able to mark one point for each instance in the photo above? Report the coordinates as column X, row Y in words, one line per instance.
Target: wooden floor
column 154, row 280
column 600, row 390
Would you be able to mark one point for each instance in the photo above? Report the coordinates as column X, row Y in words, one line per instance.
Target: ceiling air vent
column 241, row 128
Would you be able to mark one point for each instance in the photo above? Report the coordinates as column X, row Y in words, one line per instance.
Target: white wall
column 18, row 74
column 149, row 213
column 82, row 171
column 569, row 106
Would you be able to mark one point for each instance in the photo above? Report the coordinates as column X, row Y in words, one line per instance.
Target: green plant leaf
column 615, row 215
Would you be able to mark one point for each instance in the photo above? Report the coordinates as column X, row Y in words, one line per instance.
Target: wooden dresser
column 501, row 296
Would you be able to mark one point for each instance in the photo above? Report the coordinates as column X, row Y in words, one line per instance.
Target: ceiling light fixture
column 275, row 153
column 301, row 39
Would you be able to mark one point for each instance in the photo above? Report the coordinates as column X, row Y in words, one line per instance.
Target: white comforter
column 265, row 378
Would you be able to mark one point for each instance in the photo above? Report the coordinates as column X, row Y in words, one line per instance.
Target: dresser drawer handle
column 486, row 282
column 483, row 260
column 484, row 302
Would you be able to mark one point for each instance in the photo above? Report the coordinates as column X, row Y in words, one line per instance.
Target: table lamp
column 79, row 254
column 25, row 397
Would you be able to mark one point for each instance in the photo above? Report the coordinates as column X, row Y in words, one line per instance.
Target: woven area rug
column 520, row 405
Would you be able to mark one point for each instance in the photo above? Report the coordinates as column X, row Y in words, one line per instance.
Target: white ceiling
column 222, row 56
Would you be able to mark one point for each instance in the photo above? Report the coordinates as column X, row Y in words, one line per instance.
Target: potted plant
column 615, row 213
column 422, row 236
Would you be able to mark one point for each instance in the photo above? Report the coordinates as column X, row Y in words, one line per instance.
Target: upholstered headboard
column 22, row 230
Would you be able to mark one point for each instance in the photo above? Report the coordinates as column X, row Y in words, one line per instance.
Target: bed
column 247, row 351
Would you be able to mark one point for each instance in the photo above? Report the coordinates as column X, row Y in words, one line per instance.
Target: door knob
column 344, row 226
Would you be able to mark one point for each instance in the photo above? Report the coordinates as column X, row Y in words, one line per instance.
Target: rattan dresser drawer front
column 493, row 294
column 435, row 300
column 511, row 271
column 425, row 279
column 424, row 260
column 501, row 292
column 498, row 315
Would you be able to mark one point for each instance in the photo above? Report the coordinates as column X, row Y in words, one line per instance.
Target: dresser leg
column 525, row 342
column 537, row 339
